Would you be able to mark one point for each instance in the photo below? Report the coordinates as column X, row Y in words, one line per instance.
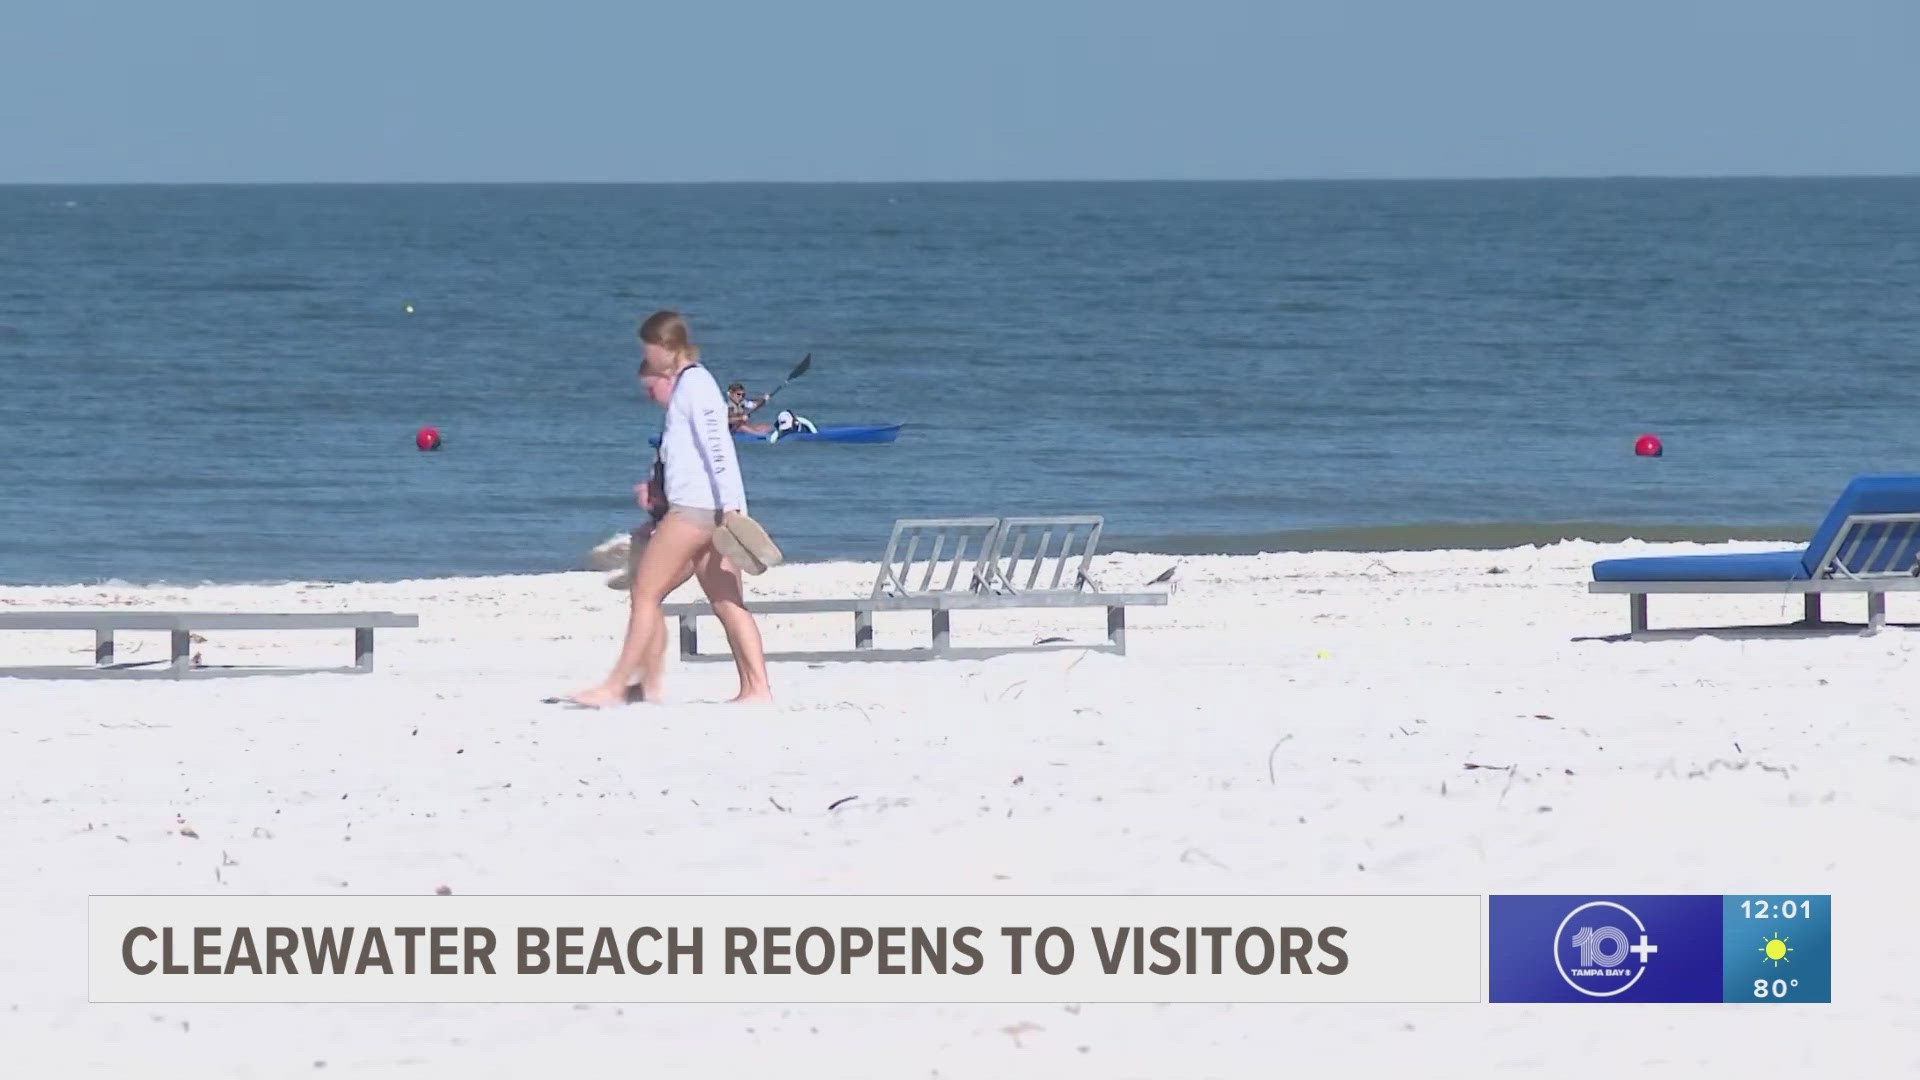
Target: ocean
column 222, row 383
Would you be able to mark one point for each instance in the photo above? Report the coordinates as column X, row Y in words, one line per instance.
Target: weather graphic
column 1777, row 948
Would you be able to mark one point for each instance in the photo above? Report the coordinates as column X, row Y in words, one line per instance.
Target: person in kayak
column 790, row 423
column 739, row 409
column 700, row 481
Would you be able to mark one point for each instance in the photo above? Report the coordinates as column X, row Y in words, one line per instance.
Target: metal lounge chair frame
column 180, row 626
column 969, row 564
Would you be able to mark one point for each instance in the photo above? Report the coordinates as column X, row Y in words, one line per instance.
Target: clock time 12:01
column 1785, row 909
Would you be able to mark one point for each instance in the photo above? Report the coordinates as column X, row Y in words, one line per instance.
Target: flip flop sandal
column 742, row 542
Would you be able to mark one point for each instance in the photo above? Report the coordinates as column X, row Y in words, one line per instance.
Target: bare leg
column 721, row 582
column 664, row 565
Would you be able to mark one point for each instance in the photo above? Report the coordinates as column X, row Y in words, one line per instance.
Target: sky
column 893, row 90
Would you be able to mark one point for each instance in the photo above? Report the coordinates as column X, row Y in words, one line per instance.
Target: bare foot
column 757, row 697
column 600, row 697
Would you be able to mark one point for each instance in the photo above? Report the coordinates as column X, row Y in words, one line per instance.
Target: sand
column 1290, row 723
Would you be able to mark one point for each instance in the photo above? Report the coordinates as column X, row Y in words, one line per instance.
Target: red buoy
column 1649, row 446
column 427, row 438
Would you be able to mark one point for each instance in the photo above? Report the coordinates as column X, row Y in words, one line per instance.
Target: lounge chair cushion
column 1866, row 495
column 1757, row 566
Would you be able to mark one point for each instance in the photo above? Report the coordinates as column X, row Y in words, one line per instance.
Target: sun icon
column 1776, row 950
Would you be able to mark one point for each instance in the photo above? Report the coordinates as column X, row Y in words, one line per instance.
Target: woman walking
column 700, row 482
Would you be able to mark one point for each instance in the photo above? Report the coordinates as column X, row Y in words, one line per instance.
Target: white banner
column 785, row 949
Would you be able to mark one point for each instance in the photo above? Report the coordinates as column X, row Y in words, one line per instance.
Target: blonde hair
column 669, row 331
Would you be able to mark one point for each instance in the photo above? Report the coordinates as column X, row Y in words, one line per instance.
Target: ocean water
column 222, row 383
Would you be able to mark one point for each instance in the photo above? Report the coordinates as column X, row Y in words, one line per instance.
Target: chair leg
column 1117, row 629
column 182, row 653
column 942, row 631
column 1637, row 612
column 1812, row 601
column 1876, row 611
column 363, row 648
column 689, row 636
column 863, row 629
column 103, row 648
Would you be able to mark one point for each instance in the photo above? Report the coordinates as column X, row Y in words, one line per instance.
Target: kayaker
column 789, row 423
column 739, row 409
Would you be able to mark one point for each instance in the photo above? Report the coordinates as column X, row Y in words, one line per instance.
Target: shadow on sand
column 1776, row 632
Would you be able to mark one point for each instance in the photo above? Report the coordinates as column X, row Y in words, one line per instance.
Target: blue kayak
column 847, row 433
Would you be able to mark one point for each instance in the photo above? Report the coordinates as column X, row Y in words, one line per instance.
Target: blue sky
column 597, row 90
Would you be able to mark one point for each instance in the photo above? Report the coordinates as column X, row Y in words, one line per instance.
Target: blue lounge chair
column 1869, row 543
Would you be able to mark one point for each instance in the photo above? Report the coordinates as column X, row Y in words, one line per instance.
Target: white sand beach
column 1290, row 723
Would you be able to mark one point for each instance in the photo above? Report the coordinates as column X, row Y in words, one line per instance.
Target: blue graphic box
column 1778, row 948
column 1605, row 948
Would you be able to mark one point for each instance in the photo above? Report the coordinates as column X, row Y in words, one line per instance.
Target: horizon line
column 1461, row 179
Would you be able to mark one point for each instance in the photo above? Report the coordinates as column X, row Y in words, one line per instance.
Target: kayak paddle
column 798, row 370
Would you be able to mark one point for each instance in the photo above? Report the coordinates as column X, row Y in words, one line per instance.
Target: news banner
column 1500, row 949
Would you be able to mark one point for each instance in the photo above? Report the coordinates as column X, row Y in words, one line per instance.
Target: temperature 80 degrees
column 1773, row 988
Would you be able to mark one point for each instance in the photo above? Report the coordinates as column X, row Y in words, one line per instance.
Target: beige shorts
column 705, row 520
